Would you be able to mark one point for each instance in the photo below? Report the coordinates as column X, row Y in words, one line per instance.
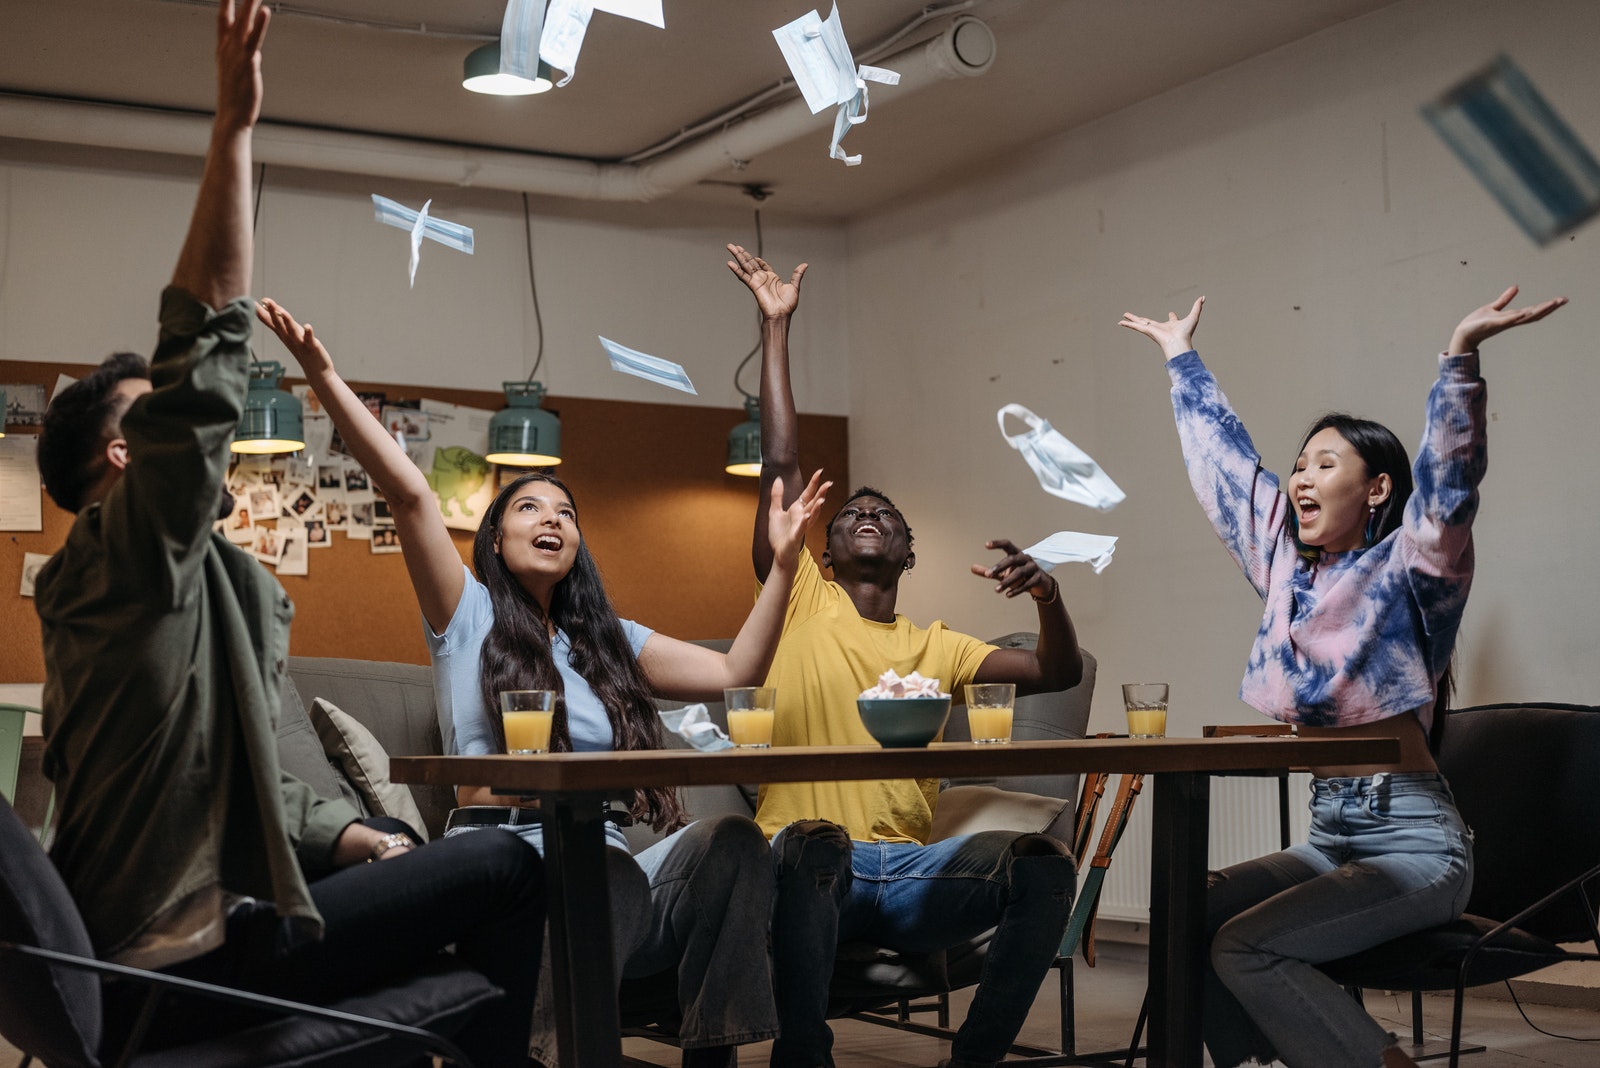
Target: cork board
column 670, row 530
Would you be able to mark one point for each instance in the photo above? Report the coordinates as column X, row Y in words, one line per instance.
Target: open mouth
column 869, row 528
column 1309, row 509
column 548, row 542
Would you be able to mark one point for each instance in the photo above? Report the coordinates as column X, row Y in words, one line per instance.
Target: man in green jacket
column 184, row 844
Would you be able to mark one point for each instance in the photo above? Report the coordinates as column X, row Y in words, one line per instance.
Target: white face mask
column 1062, row 468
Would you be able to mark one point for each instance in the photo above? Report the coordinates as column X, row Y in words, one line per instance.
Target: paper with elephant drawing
column 452, row 459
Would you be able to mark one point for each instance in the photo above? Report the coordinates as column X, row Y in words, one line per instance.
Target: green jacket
column 165, row 650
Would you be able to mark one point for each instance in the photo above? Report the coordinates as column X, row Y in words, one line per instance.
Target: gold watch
column 388, row 842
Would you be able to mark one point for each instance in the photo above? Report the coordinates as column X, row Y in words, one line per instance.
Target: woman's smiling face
column 1332, row 493
column 538, row 537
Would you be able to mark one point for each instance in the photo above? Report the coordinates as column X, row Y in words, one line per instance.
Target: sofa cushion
column 364, row 763
column 300, row 752
column 970, row 809
column 393, row 701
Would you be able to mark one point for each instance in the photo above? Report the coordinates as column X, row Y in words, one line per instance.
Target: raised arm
column 1055, row 663
column 1453, row 458
column 780, row 432
column 214, row 264
column 1239, row 496
column 430, row 554
column 686, row 672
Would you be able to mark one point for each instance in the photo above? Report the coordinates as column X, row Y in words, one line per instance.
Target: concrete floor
column 1108, row 1000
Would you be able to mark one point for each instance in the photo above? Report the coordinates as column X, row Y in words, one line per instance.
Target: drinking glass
column 750, row 715
column 527, row 716
column 1146, row 703
column 989, row 706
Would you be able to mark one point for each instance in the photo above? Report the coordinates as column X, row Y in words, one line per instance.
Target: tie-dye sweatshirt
column 1357, row 636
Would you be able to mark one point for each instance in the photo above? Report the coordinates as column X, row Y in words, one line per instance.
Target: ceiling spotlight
column 481, row 74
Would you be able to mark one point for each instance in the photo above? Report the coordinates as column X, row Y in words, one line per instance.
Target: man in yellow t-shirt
column 851, row 858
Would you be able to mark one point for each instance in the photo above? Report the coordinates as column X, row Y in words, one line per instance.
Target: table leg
column 588, row 1029
column 1180, row 823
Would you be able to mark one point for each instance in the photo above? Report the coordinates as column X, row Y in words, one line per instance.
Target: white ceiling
column 1059, row 64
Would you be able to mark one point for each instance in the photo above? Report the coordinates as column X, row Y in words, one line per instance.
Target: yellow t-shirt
column 827, row 656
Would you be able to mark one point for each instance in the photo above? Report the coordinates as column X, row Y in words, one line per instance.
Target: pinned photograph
column 330, row 479
column 302, row 503
column 24, row 405
column 385, row 539
column 238, row 527
column 317, row 536
column 336, row 514
column 357, row 486
column 267, row 546
column 31, row 563
column 360, row 522
column 293, row 558
column 263, row 502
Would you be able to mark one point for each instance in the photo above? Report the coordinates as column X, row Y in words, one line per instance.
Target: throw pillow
column 363, row 761
column 970, row 809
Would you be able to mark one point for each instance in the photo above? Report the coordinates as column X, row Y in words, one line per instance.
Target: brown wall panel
column 670, row 530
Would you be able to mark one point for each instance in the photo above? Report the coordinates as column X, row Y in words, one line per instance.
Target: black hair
column 78, row 424
column 868, row 491
column 517, row 655
column 1382, row 454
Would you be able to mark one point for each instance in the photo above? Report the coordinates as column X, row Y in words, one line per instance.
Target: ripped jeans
column 1388, row 854
column 915, row 899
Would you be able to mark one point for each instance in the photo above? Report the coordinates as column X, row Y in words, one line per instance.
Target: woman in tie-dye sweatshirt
column 1364, row 580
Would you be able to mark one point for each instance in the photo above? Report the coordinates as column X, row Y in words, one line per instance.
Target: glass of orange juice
column 527, row 716
column 989, row 708
column 1146, row 703
column 750, row 715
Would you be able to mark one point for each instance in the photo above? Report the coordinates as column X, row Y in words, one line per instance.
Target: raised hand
column 1175, row 336
column 786, row 527
column 776, row 298
column 1484, row 323
column 239, row 37
column 1017, row 572
column 302, row 344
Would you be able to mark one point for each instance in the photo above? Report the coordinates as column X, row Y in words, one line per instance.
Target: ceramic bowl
column 904, row 722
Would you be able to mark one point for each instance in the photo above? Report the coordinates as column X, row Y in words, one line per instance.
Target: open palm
column 774, row 296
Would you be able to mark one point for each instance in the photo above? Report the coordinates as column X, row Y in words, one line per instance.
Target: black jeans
column 482, row 893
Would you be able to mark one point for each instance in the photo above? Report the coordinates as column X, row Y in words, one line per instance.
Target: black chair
column 1527, row 780
column 51, row 1008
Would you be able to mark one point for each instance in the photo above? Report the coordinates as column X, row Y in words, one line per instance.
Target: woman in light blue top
column 537, row 617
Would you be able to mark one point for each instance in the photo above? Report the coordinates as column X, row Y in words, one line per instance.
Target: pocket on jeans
column 1404, row 809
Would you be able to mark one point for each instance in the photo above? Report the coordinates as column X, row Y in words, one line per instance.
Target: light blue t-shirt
column 464, row 722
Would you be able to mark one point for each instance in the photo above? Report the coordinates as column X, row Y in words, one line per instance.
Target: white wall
column 87, row 239
column 1338, row 242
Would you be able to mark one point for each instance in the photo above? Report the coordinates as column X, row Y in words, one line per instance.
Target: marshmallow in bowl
column 891, row 685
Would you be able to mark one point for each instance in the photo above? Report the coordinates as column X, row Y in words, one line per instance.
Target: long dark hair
column 517, row 655
column 1382, row 454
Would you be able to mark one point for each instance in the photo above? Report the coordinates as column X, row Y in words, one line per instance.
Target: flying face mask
column 1062, row 468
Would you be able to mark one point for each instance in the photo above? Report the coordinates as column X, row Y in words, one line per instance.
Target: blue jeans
column 915, row 899
column 1388, row 855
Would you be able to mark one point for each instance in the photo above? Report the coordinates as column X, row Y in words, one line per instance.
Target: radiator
column 1244, row 824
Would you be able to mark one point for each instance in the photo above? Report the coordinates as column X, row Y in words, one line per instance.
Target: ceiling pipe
column 964, row 49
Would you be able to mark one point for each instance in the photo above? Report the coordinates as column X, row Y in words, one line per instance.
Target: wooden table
column 574, row 787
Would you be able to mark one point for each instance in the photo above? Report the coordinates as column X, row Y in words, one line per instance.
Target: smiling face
column 868, row 529
column 538, row 536
column 1333, row 494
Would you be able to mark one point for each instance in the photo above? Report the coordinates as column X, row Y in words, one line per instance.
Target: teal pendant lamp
column 481, row 74
column 271, row 422
column 744, row 442
column 524, row 433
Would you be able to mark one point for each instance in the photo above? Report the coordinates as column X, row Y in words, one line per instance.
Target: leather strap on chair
column 1081, row 927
